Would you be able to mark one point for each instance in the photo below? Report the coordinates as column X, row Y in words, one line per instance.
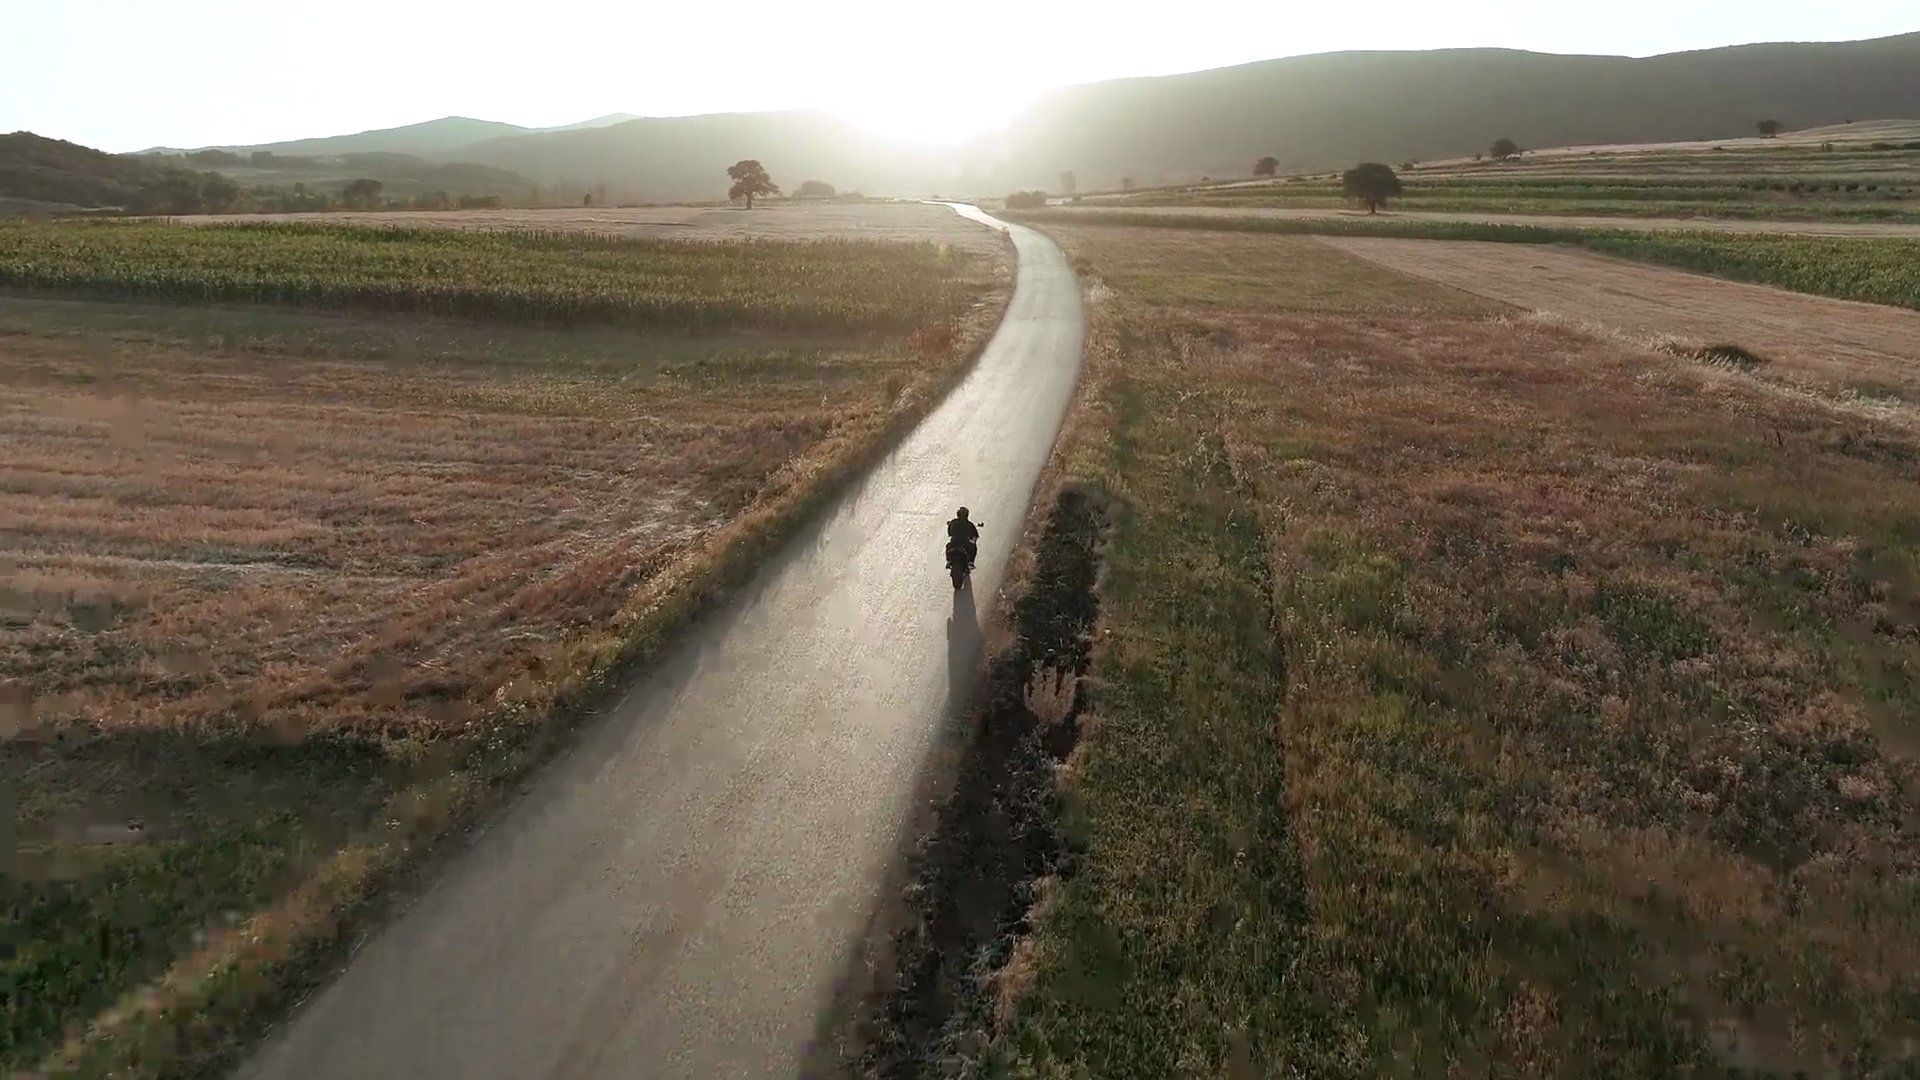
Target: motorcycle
column 960, row 559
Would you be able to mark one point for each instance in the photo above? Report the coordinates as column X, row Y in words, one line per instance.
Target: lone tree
column 1769, row 128
column 219, row 194
column 1503, row 149
column 362, row 194
column 750, row 179
column 1266, row 166
column 1068, row 182
column 1372, row 183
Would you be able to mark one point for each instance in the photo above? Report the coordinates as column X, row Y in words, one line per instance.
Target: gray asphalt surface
column 679, row 893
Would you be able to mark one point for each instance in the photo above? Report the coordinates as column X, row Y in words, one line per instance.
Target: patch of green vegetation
column 1851, row 181
column 828, row 285
column 1874, row 269
column 82, row 940
column 1156, row 930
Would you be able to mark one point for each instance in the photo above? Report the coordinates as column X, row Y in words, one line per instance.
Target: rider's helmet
column 961, row 513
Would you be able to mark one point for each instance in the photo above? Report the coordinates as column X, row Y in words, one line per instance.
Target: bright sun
column 929, row 120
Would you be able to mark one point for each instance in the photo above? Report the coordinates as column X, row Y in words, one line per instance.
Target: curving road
column 679, row 893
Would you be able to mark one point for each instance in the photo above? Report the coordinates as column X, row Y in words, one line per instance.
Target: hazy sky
column 128, row 74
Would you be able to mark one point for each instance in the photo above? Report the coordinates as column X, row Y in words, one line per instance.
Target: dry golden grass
column 1836, row 346
column 283, row 594
column 1483, row 696
column 202, row 539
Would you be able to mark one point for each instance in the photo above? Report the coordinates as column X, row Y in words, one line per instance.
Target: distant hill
column 50, row 174
column 597, row 122
column 686, row 157
column 41, row 175
column 1337, row 108
column 1311, row 112
column 430, row 139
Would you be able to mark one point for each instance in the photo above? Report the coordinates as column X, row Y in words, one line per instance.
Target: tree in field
column 219, row 194
column 1068, row 182
column 1126, row 183
column 1503, row 149
column 1768, row 128
column 362, row 194
column 814, row 189
column 1266, row 166
column 750, row 179
column 1372, row 183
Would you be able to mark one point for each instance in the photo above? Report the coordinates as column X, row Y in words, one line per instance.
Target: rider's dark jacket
column 962, row 531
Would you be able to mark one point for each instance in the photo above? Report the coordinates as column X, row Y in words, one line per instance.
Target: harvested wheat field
column 204, row 535
column 767, row 221
column 286, row 592
column 1843, row 347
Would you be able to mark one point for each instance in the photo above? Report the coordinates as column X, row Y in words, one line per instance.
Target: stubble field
column 284, row 592
column 1863, row 352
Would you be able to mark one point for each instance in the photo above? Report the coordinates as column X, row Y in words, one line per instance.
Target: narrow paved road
column 678, row 894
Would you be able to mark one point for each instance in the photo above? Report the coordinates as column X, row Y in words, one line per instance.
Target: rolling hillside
column 1311, row 112
column 1337, row 108
column 41, row 175
column 430, row 139
column 686, row 157
column 49, row 175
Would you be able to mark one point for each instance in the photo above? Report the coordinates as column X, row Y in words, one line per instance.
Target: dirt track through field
column 1866, row 348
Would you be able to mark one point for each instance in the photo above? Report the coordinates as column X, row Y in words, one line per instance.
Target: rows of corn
column 827, row 285
column 1877, row 270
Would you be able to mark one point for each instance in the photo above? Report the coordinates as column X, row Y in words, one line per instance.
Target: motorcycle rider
column 964, row 534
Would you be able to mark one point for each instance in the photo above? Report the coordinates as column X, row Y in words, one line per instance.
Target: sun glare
column 931, row 121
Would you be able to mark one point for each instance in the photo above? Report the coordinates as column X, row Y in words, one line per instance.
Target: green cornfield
column 1875, row 269
column 824, row 286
